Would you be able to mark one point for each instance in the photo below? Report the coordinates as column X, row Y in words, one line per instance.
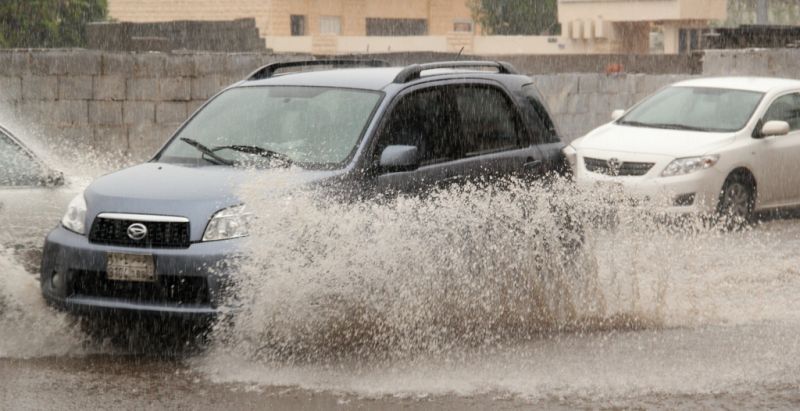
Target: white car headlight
column 75, row 217
column 688, row 165
column 232, row 222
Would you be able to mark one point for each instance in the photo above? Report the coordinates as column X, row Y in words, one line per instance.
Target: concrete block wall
column 125, row 103
column 581, row 102
column 131, row 102
column 752, row 62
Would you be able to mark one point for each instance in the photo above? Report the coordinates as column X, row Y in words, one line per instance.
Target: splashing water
column 478, row 289
column 29, row 327
column 407, row 274
column 476, row 265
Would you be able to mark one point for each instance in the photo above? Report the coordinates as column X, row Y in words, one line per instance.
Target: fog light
column 54, row 279
column 684, row 200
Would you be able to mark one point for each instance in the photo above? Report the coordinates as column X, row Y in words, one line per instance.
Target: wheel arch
column 745, row 174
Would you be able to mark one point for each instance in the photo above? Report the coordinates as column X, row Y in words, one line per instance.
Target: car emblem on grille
column 137, row 231
column 613, row 166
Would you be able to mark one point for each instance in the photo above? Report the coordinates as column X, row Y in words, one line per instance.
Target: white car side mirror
column 616, row 114
column 775, row 128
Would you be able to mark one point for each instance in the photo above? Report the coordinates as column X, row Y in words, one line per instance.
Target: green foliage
column 48, row 23
column 510, row 17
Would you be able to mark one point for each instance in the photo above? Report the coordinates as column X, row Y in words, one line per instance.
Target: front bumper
column 669, row 195
column 190, row 282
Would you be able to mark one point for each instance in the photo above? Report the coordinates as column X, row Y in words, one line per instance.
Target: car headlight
column 688, row 165
column 572, row 157
column 232, row 222
column 75, row 217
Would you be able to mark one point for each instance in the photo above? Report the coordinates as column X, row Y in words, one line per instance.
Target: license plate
column 609, row 185
column 130, row 267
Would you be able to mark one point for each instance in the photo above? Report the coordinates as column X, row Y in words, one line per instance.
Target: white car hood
column 674, row 143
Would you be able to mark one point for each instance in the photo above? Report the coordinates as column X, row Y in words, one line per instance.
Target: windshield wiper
column 261, row 151
column 670, row 126
column 207, row 152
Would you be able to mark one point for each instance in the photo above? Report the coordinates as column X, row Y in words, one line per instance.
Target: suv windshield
column 695, row 108
column 308, row 126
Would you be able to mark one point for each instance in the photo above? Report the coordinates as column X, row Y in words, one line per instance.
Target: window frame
column 523, row 132
column 159, row 156
column 303, row 24
column 392, row 31
column 553, row 134
column 330, row 19
column 523, row 137
column 796, row 94
column 459, row 22
column 14, row 142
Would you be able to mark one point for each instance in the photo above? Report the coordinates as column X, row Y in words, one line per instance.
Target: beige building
column 323, row 26
column 360, row 26
column 614, row 26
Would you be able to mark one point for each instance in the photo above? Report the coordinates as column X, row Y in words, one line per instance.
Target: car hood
column 185, row 191
column 629, row 139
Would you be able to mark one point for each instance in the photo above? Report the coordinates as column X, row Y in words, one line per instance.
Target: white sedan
column 713, row 145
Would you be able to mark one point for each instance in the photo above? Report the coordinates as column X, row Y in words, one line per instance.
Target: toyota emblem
column 613, row 166
column 137, row 231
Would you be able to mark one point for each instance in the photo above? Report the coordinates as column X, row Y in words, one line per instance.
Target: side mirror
column 616, row 114
column 399, row 158
column 775, row 128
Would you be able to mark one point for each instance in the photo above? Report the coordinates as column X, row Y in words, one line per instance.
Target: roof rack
column 414, row 71
column 270, row 69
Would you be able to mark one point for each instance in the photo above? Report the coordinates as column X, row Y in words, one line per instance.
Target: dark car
column 145, row 239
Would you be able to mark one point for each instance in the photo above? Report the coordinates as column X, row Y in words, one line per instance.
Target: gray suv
column 146, row 239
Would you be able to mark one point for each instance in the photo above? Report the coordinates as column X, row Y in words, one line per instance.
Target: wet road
column 114, row 382
column 679, row 319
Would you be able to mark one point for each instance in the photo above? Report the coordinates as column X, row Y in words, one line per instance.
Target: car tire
column 736, row 202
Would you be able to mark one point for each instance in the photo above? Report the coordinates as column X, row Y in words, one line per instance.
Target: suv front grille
column 627, row 168
column 170, row 232
column 167, row 289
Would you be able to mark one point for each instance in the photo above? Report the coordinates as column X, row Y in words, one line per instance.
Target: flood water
column 471, row 298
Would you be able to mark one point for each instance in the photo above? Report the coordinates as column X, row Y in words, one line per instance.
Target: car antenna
column 458, row 57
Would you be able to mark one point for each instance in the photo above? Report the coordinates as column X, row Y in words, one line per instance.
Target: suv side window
column 544, row 130
column 17, row 168
column 488, row 120
column 426, row 120
column 785, row 108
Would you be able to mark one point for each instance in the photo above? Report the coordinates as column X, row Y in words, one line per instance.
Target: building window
column 397, row 27
column 462, row 26
column 690, row 40
column 330, row 25
column 298, row 25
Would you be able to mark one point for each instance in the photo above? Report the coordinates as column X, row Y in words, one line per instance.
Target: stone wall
column 752, row 62
column 132, row 102
column 568, row 63
column 581, row 102
column 114, row 101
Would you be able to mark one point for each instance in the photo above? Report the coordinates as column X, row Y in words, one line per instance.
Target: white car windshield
column 695, row 108
column 308, row 126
